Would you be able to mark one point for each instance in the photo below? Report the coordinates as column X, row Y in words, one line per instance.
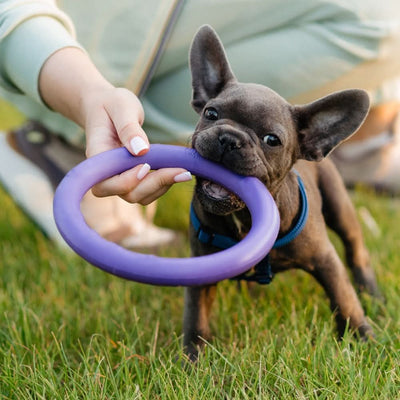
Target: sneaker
column 373, row 162
column 32, row 163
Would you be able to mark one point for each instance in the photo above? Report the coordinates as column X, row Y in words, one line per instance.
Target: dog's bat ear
column 326, row 122
column 209, row 65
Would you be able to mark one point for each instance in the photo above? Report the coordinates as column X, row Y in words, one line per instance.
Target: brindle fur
column 308, row 133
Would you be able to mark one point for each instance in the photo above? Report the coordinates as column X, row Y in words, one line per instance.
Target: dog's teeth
column 215, row 190
column 218, row 190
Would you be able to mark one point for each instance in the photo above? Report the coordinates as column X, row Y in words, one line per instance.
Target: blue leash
column 262, row 271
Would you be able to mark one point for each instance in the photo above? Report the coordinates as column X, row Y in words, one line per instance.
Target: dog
column 253, row 131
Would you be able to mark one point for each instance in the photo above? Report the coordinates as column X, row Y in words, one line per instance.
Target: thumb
column 126, row 113
column 134, row 138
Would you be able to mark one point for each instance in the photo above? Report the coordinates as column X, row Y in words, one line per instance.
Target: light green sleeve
column 30, row 32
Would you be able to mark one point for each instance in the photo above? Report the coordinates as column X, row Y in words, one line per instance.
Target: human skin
column 69, row 83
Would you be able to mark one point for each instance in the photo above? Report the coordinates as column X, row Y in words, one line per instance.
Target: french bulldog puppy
column 253, row 131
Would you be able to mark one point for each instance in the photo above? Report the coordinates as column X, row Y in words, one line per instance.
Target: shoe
column 32, row 163
column 373, row 162
column 51, row 153
column 30, row 189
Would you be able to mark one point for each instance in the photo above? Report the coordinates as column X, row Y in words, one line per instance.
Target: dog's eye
column 211, row 113
column 272, row 140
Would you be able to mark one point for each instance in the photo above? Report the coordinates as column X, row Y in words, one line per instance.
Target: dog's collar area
column 262, row 271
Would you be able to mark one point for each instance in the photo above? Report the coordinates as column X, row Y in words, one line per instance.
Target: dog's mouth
column 216, row 199
column 215, row 191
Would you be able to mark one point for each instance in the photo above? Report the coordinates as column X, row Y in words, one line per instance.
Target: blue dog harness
column 262, row 271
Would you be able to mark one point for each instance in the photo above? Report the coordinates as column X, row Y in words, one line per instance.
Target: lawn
column 71, row 331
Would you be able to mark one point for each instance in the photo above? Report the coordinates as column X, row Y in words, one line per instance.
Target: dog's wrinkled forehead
column 250, row 104
column 253, row 97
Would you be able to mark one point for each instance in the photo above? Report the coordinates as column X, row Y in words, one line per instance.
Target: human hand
column 111, row 117
column 114, row 118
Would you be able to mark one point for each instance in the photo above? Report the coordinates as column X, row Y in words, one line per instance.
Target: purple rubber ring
column 151, row 269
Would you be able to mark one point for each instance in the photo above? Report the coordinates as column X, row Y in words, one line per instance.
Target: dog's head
column 252, row 130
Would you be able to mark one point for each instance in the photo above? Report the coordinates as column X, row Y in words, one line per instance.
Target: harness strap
column 207, row 237
column 262, row 271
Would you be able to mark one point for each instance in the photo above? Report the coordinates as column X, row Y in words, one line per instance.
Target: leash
column 262, row 271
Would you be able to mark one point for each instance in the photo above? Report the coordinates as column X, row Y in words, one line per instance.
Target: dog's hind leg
column 198, row 304
column 340, row 216
column 330, row 272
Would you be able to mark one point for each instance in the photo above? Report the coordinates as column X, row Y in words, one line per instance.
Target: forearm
column 67, row 80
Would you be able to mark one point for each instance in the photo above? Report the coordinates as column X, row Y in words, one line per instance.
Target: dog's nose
column 229, row 142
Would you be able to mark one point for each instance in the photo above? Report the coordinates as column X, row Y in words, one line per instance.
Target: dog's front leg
column 332, row 275
column 198, row 304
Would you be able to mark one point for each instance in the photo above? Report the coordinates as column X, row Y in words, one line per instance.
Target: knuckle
column 133, row 198
column 145, row 202
column 125, row 185
column 164, row 181
column 98, row 191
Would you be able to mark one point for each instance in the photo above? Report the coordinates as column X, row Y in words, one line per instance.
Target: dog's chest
column 281, row 260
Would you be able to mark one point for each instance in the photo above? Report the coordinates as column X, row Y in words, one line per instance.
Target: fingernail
column 143, row 171
column 138, row 145
column 183, row 177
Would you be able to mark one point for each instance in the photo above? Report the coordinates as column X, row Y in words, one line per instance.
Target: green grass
column 71, row 331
